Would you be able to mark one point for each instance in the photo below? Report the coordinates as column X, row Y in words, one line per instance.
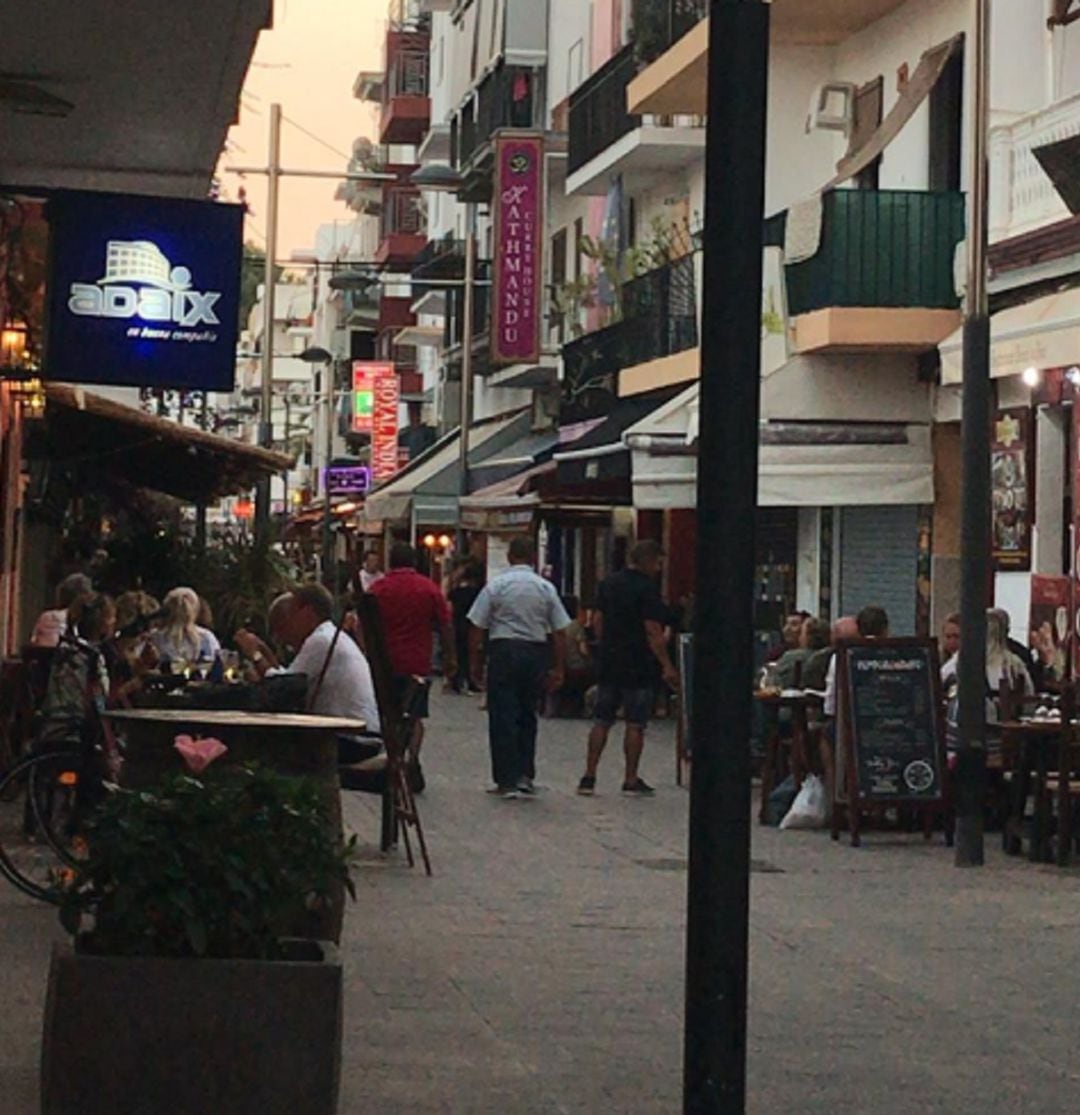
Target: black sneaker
column 638, row 789
column 527, row 787
column 587, row 786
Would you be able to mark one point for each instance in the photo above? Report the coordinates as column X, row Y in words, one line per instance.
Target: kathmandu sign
column 518, row 236
column 143, row 291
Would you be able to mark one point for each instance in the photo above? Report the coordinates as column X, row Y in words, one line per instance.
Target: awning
column 427, row 489
column 927, row 74
column 1044, row 333
column 101, row 439
column 507, row 506
column 800, row 464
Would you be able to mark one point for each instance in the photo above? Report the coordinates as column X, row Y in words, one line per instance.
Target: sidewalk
column 540, row 970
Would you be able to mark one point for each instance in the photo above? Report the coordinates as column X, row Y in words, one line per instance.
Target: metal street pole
column 329, row 566
column 468, row 306
column 718, row 905
column 266, row 417
column 975, row 501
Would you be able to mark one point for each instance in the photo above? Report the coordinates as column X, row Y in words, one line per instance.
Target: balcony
column 883, row 276
column 677, row 79
column 406, row 104
column 606, row 139
column 441, row 261
column 395, row 313
column 658, row 332
column 508, row 97
column 1022, row 197
column 402, row 227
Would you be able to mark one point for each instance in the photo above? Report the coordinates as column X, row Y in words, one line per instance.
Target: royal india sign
column 518, row 240
column 384, row 430
column 143, row 291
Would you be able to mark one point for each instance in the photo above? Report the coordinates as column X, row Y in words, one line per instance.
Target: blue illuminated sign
column 348, row 480
column 143, row 291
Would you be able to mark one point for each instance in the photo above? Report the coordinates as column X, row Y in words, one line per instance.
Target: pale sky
column 307, row 63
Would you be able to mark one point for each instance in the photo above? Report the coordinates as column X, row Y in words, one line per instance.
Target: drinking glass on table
column 179, row 667
column 202, row 668
column 230, row 660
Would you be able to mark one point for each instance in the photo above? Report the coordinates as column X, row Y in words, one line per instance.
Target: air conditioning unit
column 832, row 107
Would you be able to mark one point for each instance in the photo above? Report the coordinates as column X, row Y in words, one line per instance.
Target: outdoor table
column 799, row 702
column 293, row 744
column 1038, row 743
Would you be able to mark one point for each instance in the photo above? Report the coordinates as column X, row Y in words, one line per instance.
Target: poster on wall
column 1010, row 479
column 1050, row 626
column 384, row 433
column 143, row 291
column 519, row 233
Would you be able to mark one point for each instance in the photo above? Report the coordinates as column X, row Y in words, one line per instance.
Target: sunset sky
column 307, row 63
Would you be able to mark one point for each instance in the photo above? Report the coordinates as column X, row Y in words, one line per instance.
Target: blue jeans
column 515, row 686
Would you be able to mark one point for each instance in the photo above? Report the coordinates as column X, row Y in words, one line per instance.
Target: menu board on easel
column 891, row 737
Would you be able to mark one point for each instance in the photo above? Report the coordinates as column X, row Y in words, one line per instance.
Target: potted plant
column 182, row 990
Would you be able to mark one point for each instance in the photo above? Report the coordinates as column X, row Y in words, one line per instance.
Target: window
column 946, row 126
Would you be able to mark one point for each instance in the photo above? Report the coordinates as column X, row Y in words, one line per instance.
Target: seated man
column 303, row 620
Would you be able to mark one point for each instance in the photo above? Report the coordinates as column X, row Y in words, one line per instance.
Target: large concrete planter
column 135, row 1036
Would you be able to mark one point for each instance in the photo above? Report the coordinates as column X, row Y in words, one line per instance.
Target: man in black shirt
column 629, row 625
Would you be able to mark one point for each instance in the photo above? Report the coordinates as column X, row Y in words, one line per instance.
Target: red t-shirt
column 412, row 606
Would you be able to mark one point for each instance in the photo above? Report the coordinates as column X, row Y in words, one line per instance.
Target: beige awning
column 1041, row 334
column 929, row 70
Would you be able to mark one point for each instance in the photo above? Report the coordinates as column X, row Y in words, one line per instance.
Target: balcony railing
column 506, row 98
column 1022, row 197
column 880, row 248
column 407, row 15
column 455, row 308
column 403, row 212
column 659, row 24
column 659, row 318
column 442, row 260
column 408, row 76
column 598, row 115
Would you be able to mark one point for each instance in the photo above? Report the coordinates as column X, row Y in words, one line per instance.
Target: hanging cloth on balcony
column 918, row 87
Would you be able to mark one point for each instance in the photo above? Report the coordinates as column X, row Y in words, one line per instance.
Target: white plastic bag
column 809, row 809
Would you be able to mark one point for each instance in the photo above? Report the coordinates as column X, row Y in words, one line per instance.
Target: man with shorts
column 413, row 607
column 629, row 626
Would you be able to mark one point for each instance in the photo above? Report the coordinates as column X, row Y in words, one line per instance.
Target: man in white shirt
column 518, row 610
column 303, row 619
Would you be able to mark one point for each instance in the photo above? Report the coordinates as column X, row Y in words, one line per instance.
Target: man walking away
column 413, row 607
column 518, row 610
column 629, row 624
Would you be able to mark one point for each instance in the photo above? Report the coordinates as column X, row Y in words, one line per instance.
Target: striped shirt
column 519, row 604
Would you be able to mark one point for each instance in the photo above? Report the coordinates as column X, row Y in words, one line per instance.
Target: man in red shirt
column 412, row 608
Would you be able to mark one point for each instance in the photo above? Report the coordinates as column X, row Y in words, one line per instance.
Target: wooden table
column 799, row 703
column 1038, row 743
column 296, row 745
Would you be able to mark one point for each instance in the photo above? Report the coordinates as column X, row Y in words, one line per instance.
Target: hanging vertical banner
column 518, row 241
column 384, row 433
column 365, row 373
column 1010, row 471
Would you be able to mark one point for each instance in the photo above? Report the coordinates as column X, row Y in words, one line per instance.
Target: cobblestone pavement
column 540, row 970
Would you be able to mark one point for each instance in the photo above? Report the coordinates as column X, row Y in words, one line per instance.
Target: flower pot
column 134, row 1035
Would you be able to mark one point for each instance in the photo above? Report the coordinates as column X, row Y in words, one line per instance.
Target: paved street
column 540, row 970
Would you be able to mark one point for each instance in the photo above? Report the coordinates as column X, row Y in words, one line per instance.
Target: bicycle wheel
column 39, row 839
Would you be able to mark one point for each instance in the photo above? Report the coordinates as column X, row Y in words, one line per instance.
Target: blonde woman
column 180, row 638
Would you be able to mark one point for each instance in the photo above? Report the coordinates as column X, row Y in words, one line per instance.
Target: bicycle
column 42, row 801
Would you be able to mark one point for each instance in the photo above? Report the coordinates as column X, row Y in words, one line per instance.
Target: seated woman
column 79, row 679
column 180, row 638
column 53, row 622
column 130, row 655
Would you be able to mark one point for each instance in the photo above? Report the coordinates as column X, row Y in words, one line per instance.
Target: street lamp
column 443, row 178
column 317, row 355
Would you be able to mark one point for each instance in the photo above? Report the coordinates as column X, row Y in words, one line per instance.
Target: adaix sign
column 143, row 291
column 518, row 239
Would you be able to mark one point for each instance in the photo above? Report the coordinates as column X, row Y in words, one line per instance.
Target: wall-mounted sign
column 518, row 234
column 348, row 480
column 1050, row 624
column 1010, row 469
column 143, row 291
column 384, row 434
column 365, row 373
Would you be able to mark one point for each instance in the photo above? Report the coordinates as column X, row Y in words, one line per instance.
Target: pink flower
column 198, row 754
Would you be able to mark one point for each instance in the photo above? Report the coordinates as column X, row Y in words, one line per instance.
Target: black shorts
column 636, row 703
column 420, row 709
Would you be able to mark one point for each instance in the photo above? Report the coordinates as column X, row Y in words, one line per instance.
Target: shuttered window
column 879, row 562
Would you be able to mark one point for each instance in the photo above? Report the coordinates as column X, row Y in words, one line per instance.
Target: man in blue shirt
column 518, row 610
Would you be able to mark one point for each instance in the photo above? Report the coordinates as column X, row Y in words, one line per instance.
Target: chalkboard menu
column 893, row 725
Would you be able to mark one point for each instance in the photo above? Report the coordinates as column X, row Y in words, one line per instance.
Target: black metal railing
column 659, row 318
column 659, row 24
column 598, row 115
column 442, row 260
column 506, row 98
column 454, row 327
